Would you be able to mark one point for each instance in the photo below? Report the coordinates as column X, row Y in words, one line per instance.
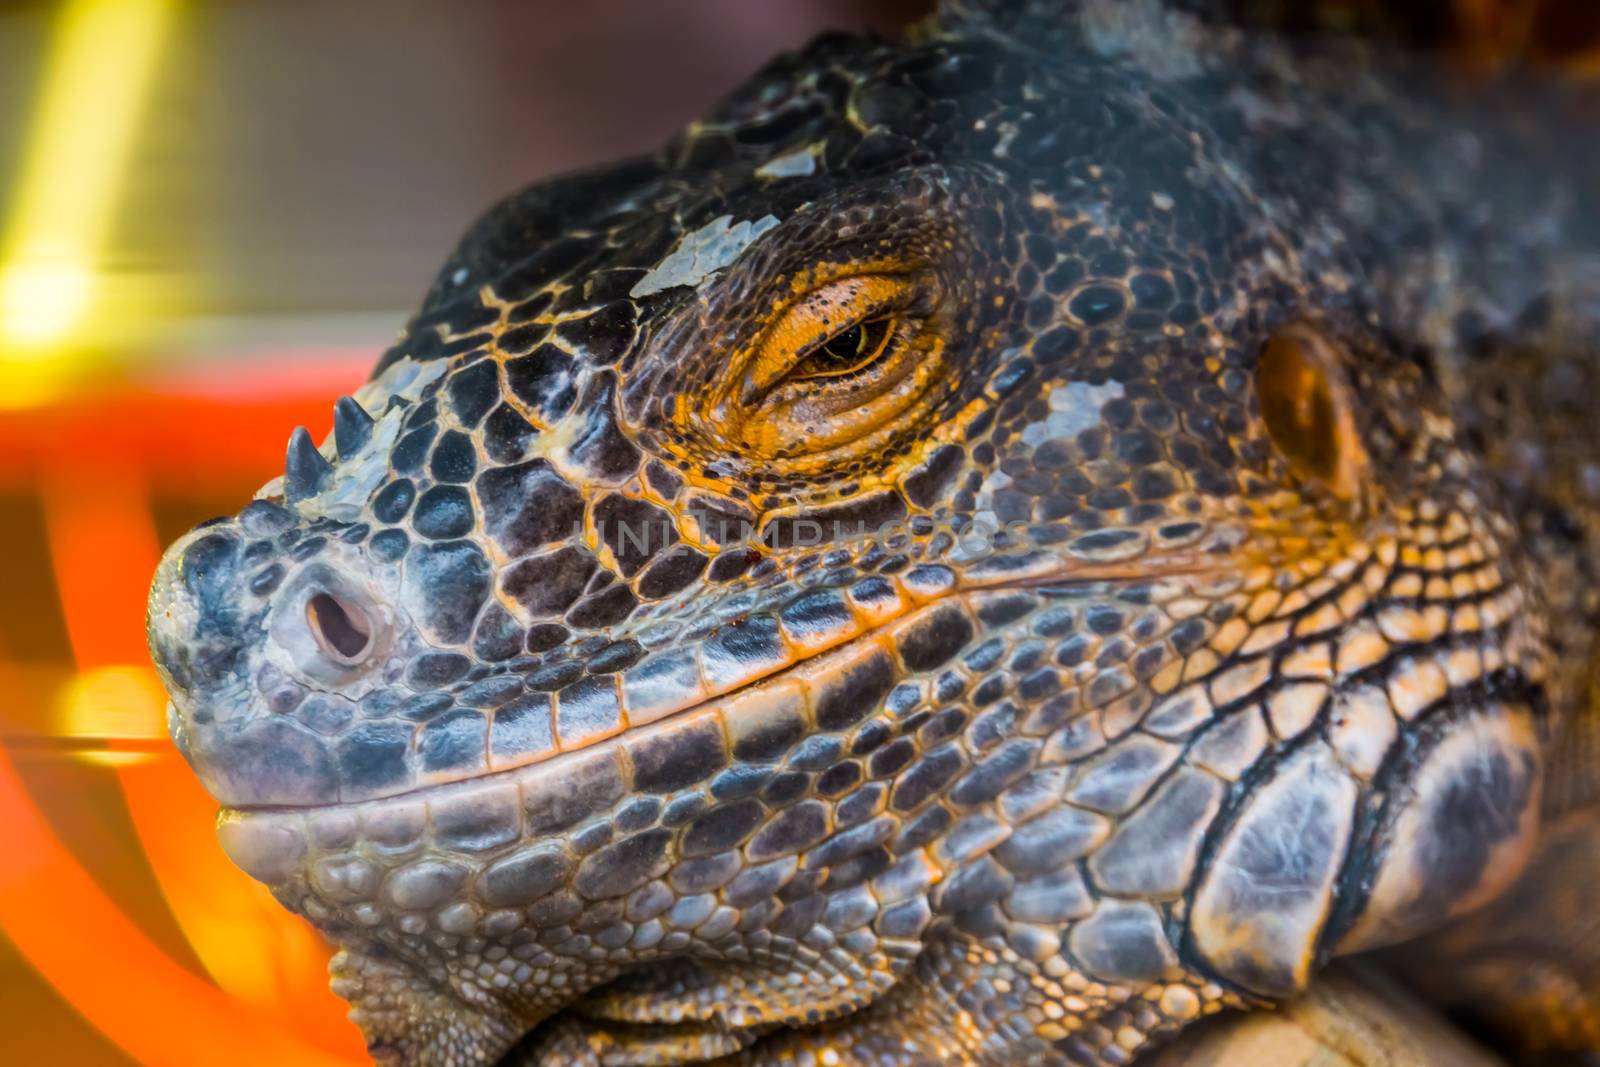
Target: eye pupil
column 844, row 346
column 848, row 350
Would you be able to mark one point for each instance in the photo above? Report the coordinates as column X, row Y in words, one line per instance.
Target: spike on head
column 352, row 427
column 305, row 472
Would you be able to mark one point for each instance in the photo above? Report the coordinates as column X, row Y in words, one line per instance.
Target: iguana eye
column 847, row 352
column 833, row 332
column 839, row 365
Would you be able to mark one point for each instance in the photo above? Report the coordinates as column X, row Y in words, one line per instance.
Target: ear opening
column 1308, row 408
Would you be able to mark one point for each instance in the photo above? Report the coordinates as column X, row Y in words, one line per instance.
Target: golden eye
column 1308, row 409
column 847, row 352
column 838, row 367
column 833, row 332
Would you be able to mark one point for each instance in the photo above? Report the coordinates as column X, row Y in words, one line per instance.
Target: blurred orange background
column 212, row 218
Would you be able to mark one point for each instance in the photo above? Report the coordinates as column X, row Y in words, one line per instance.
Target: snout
column 194, row 625
column 261, row 644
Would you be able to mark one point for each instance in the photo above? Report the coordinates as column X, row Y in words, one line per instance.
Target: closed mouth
column 900, row 616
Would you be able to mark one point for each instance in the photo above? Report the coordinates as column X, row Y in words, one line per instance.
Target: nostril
column 341, row 628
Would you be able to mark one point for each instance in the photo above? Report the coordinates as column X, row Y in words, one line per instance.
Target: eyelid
column 819, row 315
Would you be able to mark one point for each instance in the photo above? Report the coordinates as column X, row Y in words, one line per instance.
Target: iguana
column 984, row 549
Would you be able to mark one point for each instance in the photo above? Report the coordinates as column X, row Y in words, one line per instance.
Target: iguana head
column 942, row 438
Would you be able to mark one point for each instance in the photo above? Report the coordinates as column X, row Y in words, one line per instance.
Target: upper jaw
column 751, row 661
column 756, row 661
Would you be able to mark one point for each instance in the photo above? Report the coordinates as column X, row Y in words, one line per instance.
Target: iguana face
column 939, row 496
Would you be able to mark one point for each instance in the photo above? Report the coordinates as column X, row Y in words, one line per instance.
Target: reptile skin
column 982, row 550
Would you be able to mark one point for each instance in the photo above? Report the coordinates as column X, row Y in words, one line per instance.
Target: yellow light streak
column 123, row 703
column 96, row 79
column 40, row 302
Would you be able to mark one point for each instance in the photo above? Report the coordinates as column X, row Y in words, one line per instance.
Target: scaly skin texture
column 1265, row 665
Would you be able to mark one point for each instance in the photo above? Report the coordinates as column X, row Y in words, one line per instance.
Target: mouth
column 831, row 676
column 759, row 660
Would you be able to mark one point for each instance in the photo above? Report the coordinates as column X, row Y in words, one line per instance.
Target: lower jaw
column 544, row 850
